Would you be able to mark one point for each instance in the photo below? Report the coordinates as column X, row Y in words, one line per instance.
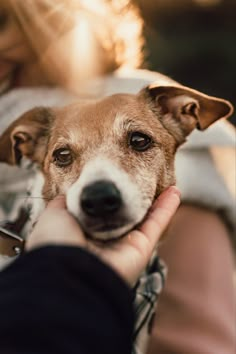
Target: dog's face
column 112, row 157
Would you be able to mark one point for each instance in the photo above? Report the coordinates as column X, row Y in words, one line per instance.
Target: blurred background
column 194, row 42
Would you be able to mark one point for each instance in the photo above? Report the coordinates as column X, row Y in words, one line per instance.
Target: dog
column 110, row 157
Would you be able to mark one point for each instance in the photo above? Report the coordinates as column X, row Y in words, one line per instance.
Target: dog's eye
column 62, row 157
column 139, row 141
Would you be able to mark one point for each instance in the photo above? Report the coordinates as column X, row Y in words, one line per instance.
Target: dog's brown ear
column 189, row 108
column 27, row 136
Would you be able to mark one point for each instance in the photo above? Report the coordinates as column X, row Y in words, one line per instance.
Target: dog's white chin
column 109, row 235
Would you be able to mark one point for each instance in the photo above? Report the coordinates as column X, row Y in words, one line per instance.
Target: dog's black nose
column 100, row 199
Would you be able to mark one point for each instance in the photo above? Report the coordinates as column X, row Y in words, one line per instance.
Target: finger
column 166, row 200
column 57, row 203
column 162, row 196
column 160, row 216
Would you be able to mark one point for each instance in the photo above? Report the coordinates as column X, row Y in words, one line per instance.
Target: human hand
column 128, row 256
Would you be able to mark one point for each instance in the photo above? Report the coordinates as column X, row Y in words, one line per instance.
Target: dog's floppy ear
column 27, row 136
column 189, row 108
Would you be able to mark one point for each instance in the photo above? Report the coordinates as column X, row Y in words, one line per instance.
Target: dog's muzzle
column 103, row 211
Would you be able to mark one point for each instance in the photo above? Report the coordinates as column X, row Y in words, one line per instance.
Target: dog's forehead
column 100, row 115
column 87, row 125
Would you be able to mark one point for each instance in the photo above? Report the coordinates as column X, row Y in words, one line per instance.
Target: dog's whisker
column 30, row 197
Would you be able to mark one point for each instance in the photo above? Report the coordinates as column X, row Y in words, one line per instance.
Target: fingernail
column 174, row 189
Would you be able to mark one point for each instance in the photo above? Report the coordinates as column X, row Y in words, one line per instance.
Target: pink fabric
column 196, row 313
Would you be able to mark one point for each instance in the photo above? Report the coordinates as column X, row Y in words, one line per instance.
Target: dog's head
column 112, row 157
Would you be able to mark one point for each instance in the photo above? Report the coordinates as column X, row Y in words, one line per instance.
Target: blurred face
column 18, row 63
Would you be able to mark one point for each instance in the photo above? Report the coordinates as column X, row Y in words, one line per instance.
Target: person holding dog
column 70, row 295
column 198, row 250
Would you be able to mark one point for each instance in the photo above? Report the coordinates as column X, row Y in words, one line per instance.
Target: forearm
column 64, row 300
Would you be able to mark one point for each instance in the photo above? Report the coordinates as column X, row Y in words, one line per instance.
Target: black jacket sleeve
column 60, row 299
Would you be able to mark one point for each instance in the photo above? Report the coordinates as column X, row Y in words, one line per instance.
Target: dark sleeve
column 60, row 299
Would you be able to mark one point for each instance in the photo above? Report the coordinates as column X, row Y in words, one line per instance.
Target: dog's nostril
column 100, row 199
column 87, row 205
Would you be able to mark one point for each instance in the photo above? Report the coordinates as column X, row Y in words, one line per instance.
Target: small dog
column 112, row 157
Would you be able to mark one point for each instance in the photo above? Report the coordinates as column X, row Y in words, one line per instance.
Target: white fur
column 112, row 234
column 37, row 202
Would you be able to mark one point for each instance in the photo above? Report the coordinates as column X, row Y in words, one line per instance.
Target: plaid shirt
column 146, row 294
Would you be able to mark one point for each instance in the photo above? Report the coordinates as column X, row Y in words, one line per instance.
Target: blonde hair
column 76, row 39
